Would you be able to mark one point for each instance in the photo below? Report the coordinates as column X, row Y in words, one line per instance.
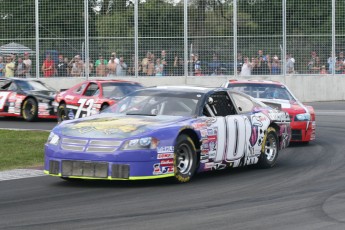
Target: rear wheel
column 185, row 159
column 30, row 109
column 104, row 107
column 62, row 113
column 269, row 152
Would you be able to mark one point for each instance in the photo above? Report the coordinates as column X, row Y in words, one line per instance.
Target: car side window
column 80, row 89
column 243, row 103
column 219, row 104
column 4, row 85
column 91, row 89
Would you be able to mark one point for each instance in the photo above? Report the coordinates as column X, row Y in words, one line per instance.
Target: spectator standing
column 116, row 59
column 159, row 67
column 111, row 67
column 178, row 66
column 2, row 66
column 323, row 70
column 101, row 69
column 290, row 64
column 167, row 63
column 311, row 63
column 98, row 61
column 339, row 66
column 48, row 68
column 341, row 56
column 255, row 66
column 144, row 63
column 77, row 67
column 61, row 67
column 9, row 67
column 246, row 69
column 151, row 66
column 28, row 63
column 197, row 65
column 331, row 64
column 20, row 70
column 121, row 68
column 275, row 66
column 240, row 62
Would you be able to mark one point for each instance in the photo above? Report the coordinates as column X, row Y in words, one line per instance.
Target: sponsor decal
column 165, row 149
column 165, row 156
column 158, row 169
column 203, row 133
column 167, row 162
column 199, row 125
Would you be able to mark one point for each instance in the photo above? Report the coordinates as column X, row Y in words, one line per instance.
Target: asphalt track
column 306, row 190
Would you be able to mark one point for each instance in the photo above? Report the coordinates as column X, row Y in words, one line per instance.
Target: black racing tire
column 30, row 109
column 185, row 159
column 104, row 106
column 270, row 147
column 62, row 113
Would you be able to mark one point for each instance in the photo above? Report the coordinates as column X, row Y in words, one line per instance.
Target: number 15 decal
column 84, row 102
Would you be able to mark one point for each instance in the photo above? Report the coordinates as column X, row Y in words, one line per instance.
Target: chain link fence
column 119, row 38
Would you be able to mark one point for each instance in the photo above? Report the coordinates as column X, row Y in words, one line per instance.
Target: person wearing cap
column 48, row 68
column 28, row 64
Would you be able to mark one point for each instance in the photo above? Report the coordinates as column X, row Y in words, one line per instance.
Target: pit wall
column 306, row 88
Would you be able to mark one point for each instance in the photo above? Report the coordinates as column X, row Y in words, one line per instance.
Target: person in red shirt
column 48, row 68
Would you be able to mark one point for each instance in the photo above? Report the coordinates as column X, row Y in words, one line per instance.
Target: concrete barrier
column 305, row 87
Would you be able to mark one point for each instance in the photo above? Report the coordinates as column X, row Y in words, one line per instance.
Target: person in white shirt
column 28, row 64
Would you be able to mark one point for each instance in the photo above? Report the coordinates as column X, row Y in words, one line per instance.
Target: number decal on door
column 84, row 102
column 3, row 97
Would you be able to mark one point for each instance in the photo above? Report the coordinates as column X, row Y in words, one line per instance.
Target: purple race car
column 172, row 131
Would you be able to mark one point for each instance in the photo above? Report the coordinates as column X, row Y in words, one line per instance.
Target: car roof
column 254, row 81
column 195, row 89
column 112, row 80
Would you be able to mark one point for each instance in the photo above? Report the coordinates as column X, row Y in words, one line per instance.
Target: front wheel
column 185, row 159
column 62, row 113
column 269, row 152
column 30, row 109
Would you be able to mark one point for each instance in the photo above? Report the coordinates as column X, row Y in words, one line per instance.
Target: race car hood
column 115, row 126
column 292, row 107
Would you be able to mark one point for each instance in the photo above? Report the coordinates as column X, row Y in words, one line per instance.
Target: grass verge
column 21, row 149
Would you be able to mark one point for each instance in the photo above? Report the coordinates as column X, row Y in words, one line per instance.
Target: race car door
column 4, row 93
column 87, row 100
column 233, row 130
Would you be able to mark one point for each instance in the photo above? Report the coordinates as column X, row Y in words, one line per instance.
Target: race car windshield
column 264, row 91
column 32, row 85
column 151, row 103
column 118, row 90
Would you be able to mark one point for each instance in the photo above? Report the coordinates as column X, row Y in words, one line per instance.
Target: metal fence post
column 136, row 38
column 284, row 39
column 185, row 39
column 333, row 37
column 86, row 31
column 235, row 36
column 37, row 34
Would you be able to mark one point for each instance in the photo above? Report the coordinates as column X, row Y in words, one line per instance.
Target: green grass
column 21, row 149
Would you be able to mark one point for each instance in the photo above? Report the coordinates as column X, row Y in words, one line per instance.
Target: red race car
column 91, row 97
column 27, row 98
column 277, row 95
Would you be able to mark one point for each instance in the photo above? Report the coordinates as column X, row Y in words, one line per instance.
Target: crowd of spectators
column 165, row 64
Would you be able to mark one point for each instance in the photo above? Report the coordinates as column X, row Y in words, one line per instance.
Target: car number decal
column 82, row 102
column 3, row 97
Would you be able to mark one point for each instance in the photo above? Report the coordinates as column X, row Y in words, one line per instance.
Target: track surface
column 306, row 190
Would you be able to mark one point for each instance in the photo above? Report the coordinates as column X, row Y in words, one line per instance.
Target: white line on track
column 20, row 174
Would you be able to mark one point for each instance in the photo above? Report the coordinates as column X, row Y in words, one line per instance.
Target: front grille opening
column 120, row 171
column 54, row 167
column 84, row 169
